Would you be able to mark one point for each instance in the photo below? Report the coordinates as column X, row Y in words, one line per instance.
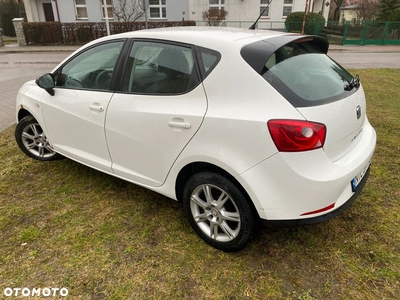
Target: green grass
column 65, row 225
column 9, row 40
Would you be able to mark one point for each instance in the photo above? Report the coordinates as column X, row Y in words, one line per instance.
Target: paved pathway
column 8, row 90
column 12, row 77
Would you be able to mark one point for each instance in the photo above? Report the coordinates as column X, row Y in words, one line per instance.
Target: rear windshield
column 303, row 74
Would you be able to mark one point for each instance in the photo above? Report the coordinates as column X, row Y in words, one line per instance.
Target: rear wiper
column 354, row 83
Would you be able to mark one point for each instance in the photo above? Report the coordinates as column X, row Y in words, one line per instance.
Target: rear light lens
column 297, row 135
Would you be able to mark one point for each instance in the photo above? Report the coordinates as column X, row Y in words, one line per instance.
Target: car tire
column 218, row 211
column 32, row 140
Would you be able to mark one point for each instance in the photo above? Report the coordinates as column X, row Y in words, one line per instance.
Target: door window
column 209, row 59
column 158, row 68
column 92, row 69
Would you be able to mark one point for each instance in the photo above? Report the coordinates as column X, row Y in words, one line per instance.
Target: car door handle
column 96, row 107
column 179, row 124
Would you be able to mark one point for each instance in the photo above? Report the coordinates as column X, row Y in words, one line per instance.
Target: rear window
column 302, row 73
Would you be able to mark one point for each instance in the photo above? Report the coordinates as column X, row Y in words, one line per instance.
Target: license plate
column 356, row 180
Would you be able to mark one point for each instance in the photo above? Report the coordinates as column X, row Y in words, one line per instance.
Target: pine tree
column 386, row 7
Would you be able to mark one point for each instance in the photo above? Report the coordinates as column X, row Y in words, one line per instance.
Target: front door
column 75, row 115
column 48, row 12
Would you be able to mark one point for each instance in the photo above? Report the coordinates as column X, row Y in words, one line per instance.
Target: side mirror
column 47, row 83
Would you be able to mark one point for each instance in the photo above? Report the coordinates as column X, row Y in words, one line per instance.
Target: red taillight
column 296, row 135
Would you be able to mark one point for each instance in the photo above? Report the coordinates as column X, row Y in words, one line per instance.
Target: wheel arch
column 22, row 113
column 196, row 167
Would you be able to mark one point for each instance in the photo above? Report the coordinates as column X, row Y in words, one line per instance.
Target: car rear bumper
column 321, row 218
column 307, row 187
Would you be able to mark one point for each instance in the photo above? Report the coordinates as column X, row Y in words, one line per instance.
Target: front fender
column 29, row 100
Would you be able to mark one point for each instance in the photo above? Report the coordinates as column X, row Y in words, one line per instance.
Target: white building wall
column 178, row 10
column 247, row 11
column 31, row 10
column 244, row 11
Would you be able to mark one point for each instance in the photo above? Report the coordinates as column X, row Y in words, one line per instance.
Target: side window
column 209, row 59
column 158, row 68
column 91, row 69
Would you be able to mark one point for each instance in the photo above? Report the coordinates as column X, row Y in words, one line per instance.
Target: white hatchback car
column 238, row 125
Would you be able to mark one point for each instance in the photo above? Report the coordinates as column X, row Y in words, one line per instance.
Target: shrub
column 43, row 32
column 214, row 17
column 314, row 22
column 72, row 33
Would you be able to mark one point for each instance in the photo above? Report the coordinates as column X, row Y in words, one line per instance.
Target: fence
column 311, row 27
column 279, row 25
column 372, row 33
column 368, row 33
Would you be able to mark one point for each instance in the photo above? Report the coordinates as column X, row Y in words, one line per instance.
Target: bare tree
column 127, row 10
column 214, row 17
column 336, row 7
column 367, row 10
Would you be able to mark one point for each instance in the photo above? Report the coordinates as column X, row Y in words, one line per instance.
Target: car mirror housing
column 47, row 83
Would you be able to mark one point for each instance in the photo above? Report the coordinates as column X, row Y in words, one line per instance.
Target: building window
column 216, row 4
column 80, row 9
column 158, row 9
column 264, row 5
column 287, row 7
column 109, row 9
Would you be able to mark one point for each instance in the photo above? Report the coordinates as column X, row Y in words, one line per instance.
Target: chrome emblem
column 358, row 111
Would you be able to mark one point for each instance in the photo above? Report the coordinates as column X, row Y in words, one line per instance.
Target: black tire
column 32, row 140
column 226, row 220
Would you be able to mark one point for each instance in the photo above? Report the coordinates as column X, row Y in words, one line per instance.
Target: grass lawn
column 9, row 40
column 65, row 225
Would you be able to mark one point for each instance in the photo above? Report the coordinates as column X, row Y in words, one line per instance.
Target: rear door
column 160, row 108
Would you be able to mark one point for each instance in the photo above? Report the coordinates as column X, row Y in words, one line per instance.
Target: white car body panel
column 233, row 128
column 330, row 181
column 146, row 133
column 75, row 125
column 29, row 98
column 339, row 117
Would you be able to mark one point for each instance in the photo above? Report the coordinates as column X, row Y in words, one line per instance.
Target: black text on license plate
column 356, row 180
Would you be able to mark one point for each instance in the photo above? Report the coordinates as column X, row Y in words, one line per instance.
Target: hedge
column 81, row 33
column 314, row 22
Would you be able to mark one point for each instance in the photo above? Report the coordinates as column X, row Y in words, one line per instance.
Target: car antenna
column 255, row 23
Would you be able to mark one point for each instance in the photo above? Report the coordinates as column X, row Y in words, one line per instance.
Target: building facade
column 170, row 10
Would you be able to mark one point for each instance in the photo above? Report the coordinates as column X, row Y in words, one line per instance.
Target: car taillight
column 297, row 135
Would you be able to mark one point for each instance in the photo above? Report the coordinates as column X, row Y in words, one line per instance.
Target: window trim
column 119, row 65
column 80, row 6
column 160, row 7
column 285, row 6
column 200, row 63
column 220, row 5
column 127, row 52
column 103, row 17
column 262, row 7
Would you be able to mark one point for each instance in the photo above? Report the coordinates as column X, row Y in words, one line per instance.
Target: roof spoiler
column 252, row 27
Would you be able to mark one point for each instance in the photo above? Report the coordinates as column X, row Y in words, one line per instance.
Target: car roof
column 210, row 37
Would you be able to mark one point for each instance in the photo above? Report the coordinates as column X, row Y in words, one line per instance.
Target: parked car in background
column 241, row 126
